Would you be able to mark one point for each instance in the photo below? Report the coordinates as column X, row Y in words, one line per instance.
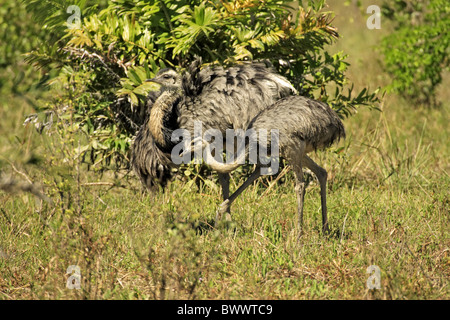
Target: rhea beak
column 153, row 80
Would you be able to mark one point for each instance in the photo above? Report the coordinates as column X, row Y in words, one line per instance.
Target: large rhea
column 302, row 125
column 218, row 98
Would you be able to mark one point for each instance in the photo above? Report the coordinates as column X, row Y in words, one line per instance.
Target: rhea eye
column 166, row 76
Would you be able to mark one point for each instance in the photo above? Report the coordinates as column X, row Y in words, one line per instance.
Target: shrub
column 417, row 52
column 103, row 63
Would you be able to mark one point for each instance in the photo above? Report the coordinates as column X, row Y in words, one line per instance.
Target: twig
column 285, row 170
column 97, row 184
column 20, row 172
column 83, row 52
column 13, row 186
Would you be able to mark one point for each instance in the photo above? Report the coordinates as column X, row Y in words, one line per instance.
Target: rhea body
column 304, row 125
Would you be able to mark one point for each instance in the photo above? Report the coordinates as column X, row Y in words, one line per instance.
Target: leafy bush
column 103, row 63
column 417, row 52
column 19, row 35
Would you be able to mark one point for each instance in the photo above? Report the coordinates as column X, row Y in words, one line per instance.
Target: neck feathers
column 160, row 116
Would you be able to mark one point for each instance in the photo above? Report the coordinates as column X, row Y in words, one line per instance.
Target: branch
column 82, row 53
column 13, row 186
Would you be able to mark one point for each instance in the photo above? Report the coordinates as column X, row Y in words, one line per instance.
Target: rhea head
column 169, row 79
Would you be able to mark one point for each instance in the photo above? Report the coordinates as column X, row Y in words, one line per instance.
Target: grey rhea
column 303, row 125
column 220, row 98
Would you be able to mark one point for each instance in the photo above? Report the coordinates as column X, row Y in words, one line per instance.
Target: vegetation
column 105, row 58
column 416, row 53
column 388, row 198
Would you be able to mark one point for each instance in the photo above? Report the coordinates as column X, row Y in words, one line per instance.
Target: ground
column 387, row 199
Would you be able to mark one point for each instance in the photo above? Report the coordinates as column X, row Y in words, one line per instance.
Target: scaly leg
column 224, row 180
column 321, row 175
column 300, row 192
column 225, row 206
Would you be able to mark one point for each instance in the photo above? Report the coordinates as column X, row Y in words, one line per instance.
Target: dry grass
column 388, row 204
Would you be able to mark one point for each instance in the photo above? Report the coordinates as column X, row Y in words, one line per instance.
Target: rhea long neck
column 160, row 115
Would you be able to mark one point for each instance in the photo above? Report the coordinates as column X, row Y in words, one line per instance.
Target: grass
column 387, row 198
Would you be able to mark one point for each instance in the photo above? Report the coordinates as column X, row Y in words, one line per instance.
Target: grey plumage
column 219, row 98
column 303, row 119
column 248, row 96
column 304, row 125
column 149, row 162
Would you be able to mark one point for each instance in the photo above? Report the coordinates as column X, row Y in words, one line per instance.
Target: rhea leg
column 224, row 180
column 321, row 175
column 300, row 192
column 225, row 206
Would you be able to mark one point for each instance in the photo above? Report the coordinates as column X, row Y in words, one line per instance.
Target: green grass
column 387, row 199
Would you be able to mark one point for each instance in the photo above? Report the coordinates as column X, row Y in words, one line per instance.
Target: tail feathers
column 150, row 164
column 191, row 78
column 317, row 123
column 284, row 87
column 339, row 131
